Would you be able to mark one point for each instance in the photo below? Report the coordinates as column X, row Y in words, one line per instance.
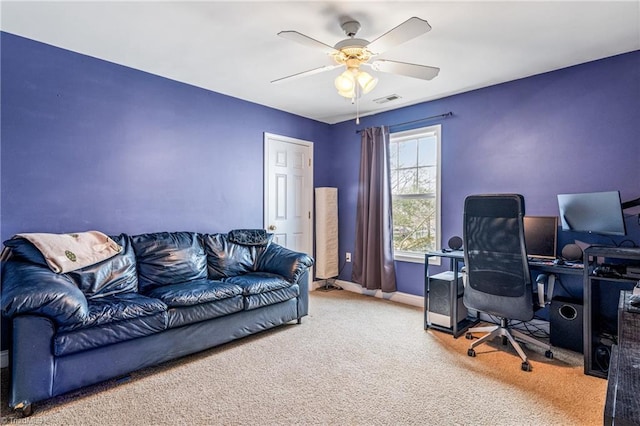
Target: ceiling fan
column 353, row 53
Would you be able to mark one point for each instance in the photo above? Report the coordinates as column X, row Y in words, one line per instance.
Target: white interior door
column 288, row 192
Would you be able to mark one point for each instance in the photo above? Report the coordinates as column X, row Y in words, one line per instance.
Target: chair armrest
column 32, row 289
column 544, row 298
column 282, row 261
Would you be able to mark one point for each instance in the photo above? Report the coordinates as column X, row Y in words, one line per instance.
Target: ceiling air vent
column 387, row 98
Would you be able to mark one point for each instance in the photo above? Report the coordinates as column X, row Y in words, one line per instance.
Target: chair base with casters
column 508, row 334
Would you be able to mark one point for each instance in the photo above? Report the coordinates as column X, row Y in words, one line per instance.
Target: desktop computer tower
column 565, row 325
column 439, row 309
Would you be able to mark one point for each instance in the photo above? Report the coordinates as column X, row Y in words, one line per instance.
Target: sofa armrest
column 29, row 289
column 32, row 363
column 282, row 261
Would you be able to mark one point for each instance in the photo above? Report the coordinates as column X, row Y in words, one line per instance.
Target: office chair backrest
column 498, row 279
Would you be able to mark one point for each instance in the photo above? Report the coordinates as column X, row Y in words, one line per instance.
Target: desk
column 456, row 258
column 600, row 295
column 556, row 269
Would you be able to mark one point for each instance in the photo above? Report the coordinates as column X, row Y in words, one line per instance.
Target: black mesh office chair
column 498, row 281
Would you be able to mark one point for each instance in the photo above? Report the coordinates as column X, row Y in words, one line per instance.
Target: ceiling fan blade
column 306, row 40
column 307, row 73
column 411, row 28
column 422, row 72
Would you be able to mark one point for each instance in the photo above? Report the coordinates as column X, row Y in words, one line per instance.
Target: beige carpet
column 355, row 360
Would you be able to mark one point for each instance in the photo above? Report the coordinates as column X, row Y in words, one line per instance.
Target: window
column 415, row 187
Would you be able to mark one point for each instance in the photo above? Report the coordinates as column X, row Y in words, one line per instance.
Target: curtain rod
column 446, row 114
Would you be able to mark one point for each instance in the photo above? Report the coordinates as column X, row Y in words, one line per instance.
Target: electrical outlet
column 348, row 257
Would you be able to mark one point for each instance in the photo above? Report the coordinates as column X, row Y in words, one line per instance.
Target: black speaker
column 572, row 252
column 455, row 243
column 439, row 309
column 566, row 324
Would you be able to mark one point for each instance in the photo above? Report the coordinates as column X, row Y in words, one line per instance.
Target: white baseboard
column 396, row 296
column 4, row 359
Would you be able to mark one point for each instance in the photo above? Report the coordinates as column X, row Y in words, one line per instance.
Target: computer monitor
column 594, row 212
column 541, row 236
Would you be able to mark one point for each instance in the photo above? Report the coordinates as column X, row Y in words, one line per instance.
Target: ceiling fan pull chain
column 357, row 104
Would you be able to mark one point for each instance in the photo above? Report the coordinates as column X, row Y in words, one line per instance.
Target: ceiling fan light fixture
column 345, row 83
column 366, row 81
column 354, row 52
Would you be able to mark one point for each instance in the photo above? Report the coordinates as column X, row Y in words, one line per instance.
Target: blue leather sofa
column 165, row 295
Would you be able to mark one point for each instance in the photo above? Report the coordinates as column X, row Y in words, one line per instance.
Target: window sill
column 415, row 258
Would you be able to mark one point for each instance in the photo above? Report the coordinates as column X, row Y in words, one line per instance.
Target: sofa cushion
column 22, row 249
column 263, row 288
column 226, row 258
column 34, row 289
column 195, row 292
column 113, row 319
column 282, row 261
column 167, row 258
column 112, row 276
column 180, row 316
column 254, row 301
column 118, row 307
column 258, row 282
column 107, row 334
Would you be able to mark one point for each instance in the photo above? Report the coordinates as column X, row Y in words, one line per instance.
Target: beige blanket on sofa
column 68, row 252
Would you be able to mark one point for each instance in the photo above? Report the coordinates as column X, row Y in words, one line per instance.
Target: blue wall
column 572, row 130
column 87, row 144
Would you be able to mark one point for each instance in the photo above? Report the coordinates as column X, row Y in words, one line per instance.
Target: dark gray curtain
column 373, row 266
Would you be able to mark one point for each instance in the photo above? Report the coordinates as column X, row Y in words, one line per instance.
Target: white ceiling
column 232, row 47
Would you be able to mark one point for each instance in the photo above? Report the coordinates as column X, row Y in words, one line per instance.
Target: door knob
column 272, row 227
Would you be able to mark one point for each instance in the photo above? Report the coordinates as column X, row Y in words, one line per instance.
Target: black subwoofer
column 566, row 324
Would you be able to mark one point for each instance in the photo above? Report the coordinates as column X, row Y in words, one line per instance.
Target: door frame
column 265, row 200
